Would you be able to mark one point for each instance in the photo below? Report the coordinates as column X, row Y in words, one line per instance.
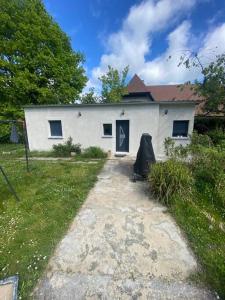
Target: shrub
column 169, row 146
column 94, row 152
column 208, row 169
column 169, row 178
column 200, row 140
column 66, row 148
column 217, row 136
column 208, row 165
column 176, row 152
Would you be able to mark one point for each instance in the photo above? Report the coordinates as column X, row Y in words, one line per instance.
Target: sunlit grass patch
column 51, row 195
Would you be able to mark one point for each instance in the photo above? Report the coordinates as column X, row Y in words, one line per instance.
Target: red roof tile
column 136, row 85
column 164, row 92
column 180, row 92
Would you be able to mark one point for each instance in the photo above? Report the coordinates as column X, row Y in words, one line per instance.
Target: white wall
column 174, row 112
column 87, row 129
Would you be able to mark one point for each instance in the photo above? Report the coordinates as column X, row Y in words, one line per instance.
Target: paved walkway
column 121, row 245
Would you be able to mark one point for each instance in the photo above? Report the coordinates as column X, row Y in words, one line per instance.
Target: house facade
column 116, row 128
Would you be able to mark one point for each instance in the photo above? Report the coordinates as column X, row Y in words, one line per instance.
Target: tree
column 114, row 85
column 37, row 63
column 212, row 86
column 90, row 97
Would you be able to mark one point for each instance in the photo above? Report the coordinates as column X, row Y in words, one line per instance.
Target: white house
column 113, row 127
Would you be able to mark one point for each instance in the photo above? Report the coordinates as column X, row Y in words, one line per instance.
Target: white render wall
column 185, row 112
column 87, row 129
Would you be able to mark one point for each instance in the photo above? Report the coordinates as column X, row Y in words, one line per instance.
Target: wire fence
column 11, row 131
column 14, row 132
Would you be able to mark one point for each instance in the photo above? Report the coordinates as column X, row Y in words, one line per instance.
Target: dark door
column 122, row 136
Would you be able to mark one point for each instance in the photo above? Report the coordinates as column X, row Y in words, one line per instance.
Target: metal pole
column 9, row 184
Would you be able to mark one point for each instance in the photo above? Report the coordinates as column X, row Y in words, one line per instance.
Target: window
column 180, row 128
column 107, row 129
column 55, row 128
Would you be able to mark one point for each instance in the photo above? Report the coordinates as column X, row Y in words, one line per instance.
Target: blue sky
column 142, row 34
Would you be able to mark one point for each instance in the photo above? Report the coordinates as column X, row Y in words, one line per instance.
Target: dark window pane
column 55, row 128
column 107, row 128
column 180, row 128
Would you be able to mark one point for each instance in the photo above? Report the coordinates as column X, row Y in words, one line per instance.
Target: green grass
column 51, row 195
column 206, row 239
column 9, row 151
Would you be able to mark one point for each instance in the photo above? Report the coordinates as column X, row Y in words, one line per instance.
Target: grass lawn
column 51, row 195
column 206, row 239
column 9, row 151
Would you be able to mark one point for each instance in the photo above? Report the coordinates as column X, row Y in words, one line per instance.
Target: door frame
column 127, row 120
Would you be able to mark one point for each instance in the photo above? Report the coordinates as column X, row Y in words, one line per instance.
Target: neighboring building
column 115, row 127
column 177, row 93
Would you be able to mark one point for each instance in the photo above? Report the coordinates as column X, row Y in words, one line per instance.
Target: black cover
column 145, row 156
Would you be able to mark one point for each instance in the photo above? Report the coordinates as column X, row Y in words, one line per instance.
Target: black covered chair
column 145, row 157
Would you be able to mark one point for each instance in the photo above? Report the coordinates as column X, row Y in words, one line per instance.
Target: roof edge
column 110, row 104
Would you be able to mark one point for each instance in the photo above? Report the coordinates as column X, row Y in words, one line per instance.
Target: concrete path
column 121, row 245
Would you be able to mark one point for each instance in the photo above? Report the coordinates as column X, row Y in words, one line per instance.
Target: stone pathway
column 121, row 245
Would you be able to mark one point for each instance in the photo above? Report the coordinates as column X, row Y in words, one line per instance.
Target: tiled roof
column 164, row 92
column 136, row 85
column 180, row 92
column 170, row 93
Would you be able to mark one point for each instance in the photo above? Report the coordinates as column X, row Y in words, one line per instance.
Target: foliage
column 51, row 195
column 204, row 124
column 212, row 87
column 90, row 97
column 173, row 151
column 217, row 136
column 208, row 165
column 169, row 145
column 198, row 203
column 206, row 239
column 209, row 171
column 169, row 178
column 114, row 85
column 37, row 63
column 66, row 148
column 200, row 140
column 94, row 152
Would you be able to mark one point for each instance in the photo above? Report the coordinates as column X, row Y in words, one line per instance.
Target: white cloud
column 131, row 44
column 213, row 44
column 164, row 70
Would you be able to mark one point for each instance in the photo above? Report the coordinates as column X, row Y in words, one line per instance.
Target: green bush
column 66, row 148
column 200, row 140
column 176, row 152
column 169, row 146
column 217, row 136
column 208, row 165
column 169, row 178
column 208, row 168
column 94, row 152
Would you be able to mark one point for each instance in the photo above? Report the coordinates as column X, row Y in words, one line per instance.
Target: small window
column 107, row 129
column 55, row 128
column 180, row 128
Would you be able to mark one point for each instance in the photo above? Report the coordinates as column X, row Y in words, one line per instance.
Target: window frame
column 187, row 128
column 50, row 130
column 103, row 127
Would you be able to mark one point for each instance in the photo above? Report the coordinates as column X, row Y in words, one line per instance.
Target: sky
column 142, row 34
